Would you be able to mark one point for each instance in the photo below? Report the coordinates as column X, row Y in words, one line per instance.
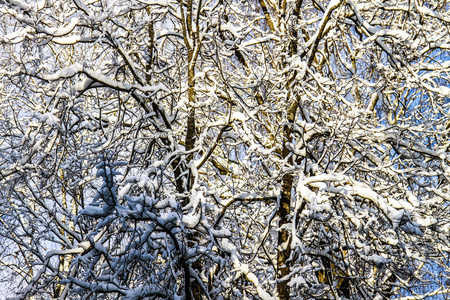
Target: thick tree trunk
column 193, row 288
column 284, row 236
column 284, row 250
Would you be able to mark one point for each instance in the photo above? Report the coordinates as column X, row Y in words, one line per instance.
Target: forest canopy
column 224, row 149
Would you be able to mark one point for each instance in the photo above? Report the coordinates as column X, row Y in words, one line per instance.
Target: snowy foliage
column 225, row 149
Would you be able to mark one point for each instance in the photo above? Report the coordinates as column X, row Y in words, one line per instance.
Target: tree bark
column 284, row 210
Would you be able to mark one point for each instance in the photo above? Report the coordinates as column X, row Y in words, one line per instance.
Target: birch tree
column 225, row 149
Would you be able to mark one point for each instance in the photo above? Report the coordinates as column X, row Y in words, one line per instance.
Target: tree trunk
column 284, row 236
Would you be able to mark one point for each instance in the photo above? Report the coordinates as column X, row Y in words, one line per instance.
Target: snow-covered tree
column 224, row 149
